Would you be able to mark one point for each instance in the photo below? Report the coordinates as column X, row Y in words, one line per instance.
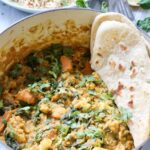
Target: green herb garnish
column 144, row 24
column 25, row 111
column 11, row 141
column 104, row 6
column 1, row 104
column 32, row 61
column 68, row 51
column 4, row 121
column 1, row 89
column 125, row 114
column 63, row 129
column 39, row 135
column 82, row 3
column 55, row 68
column 16, row 70
column 145, row 4
column 88, row 78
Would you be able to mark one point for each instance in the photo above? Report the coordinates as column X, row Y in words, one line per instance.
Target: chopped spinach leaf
column 4, row 121
column 1, row 89
column 39, row 135
column 30, row 77
column 92, row 92
column 25, row 111
column 81, row 135
column 56, row 50
column 88, row 78
column 11, row 142
column 55, row 68
column 107, row 96
column 32, row 61
column 125, row 114
column 2, row 111
column 93, row 132
column 43, row 70
column 36, row 115
column 1, row 104
column 67, row 51
column 63, row 129
column 16, row 70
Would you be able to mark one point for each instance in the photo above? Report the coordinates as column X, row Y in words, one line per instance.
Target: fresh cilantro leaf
column 82, row 3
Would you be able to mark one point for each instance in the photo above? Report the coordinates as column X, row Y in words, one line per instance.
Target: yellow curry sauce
column 53, row 101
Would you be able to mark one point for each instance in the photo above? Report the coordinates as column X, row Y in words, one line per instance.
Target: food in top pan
column 120, row 56
column 53, row 100
column 45, row 3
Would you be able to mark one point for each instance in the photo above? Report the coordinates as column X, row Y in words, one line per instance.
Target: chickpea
column 55, row 97
column 90, row 86
column 73, row 148
column 44, row 108
column 45, row 144
column 21, row 138
column 58, row 112
column 114, row 126
column 82, row 105
column 96, row 75
column 120, row 147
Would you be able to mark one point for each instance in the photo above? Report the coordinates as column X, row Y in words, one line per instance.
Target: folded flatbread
column 119, row 54
column 108, row 17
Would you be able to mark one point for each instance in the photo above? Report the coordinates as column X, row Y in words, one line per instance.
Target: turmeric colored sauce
column 52, row 100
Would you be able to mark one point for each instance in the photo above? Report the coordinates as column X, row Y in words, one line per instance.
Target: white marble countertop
column 9, row 15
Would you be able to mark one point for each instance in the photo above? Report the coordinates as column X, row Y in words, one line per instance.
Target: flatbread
column 112, row 16
column 120, row 56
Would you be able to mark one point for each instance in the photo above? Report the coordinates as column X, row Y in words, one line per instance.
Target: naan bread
column 120, row 56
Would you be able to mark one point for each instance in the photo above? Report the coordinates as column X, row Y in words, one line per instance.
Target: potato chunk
column 25, row 96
